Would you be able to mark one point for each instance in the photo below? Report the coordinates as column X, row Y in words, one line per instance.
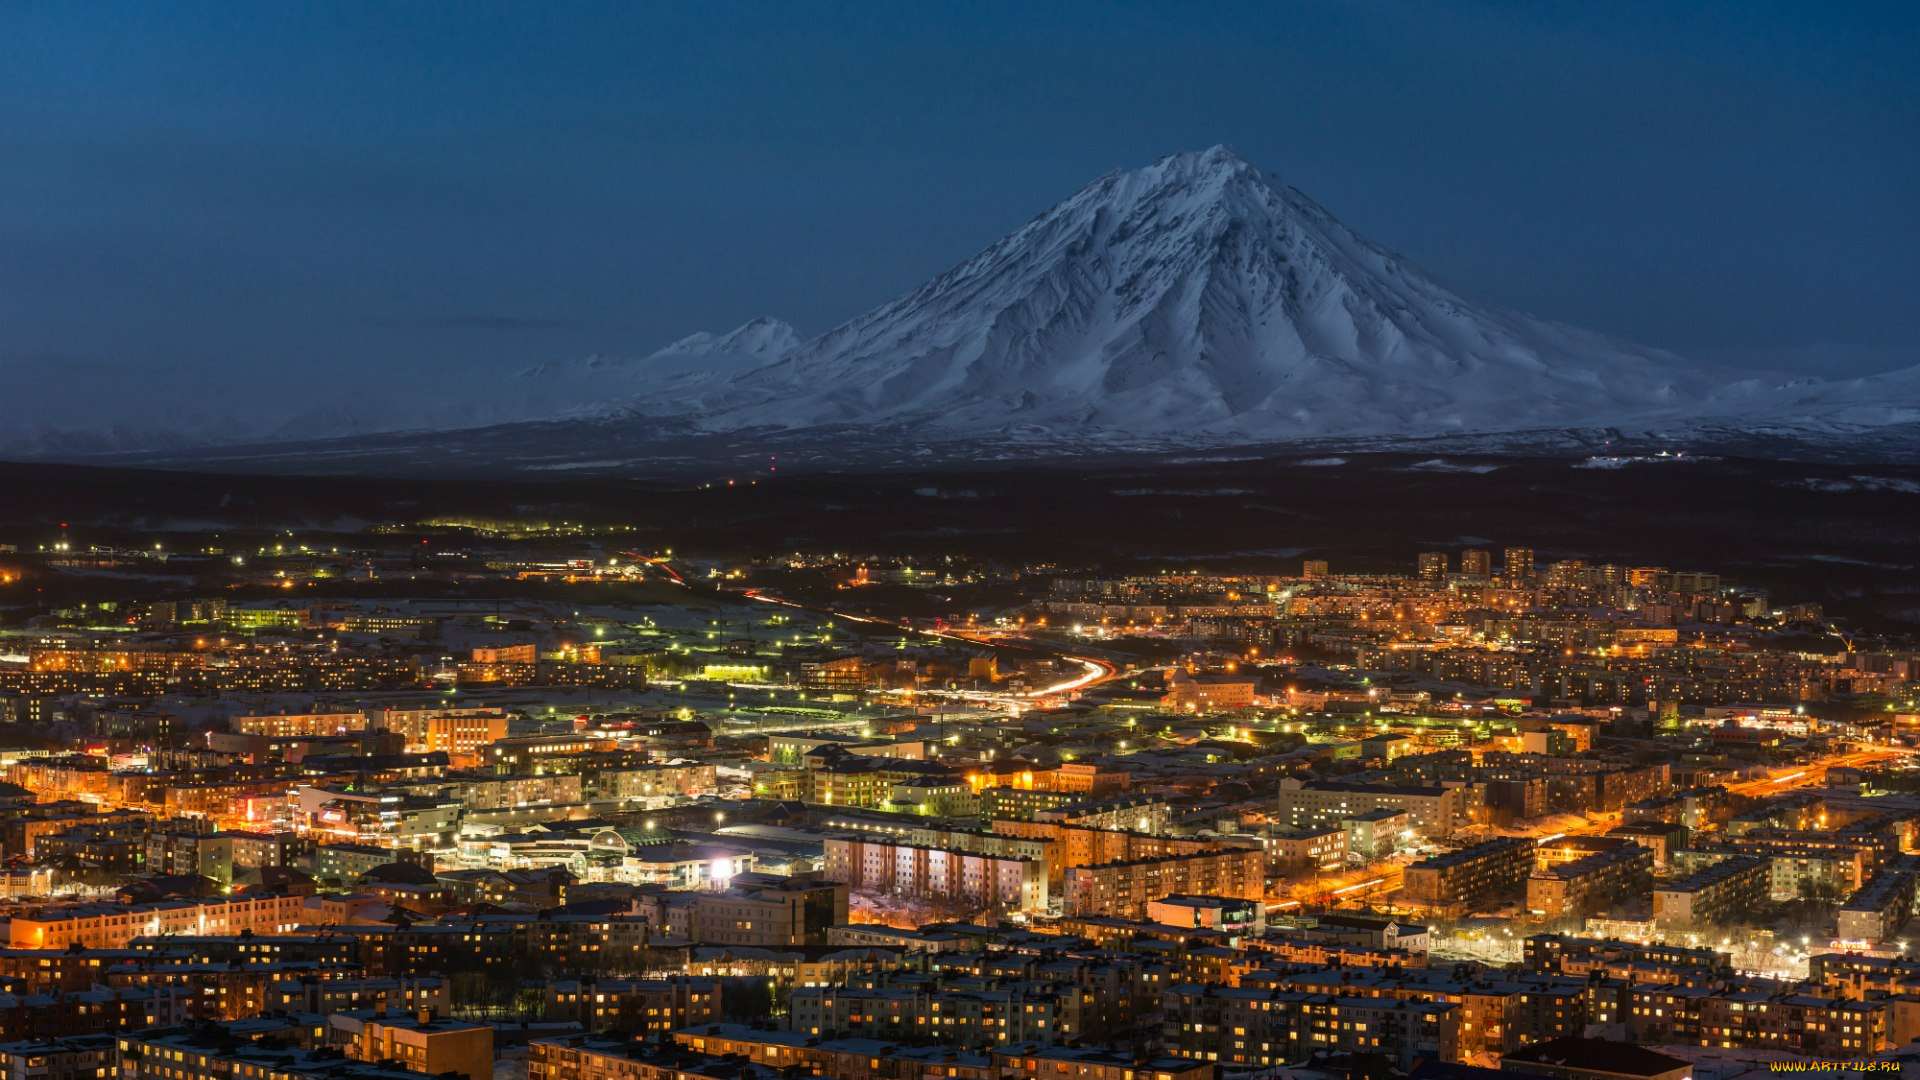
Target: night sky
column 309, row 200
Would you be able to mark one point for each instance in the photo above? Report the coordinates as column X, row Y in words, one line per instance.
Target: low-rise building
column 422, row 1042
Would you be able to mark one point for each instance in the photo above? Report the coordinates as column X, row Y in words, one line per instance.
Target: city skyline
column 1182, row 622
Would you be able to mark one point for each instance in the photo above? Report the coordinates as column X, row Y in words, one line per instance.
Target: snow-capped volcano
column 1196, row 295
column 1196, row 302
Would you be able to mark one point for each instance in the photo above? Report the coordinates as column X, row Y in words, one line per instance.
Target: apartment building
column 598, row 1057
column 1075, row 1063
column 1588, row 885
column 665, row 782
column 218, row 855
column 1470, row 874
column 955, row 1017
column 1134, row 813
column 457, row 733
column 648, row 1007
column 1795, row 866
column 192, row 1053
column 292, row 725
column 347, row 862
column 1208, row 694
column 1497, row 1012
column 1065, row 846
column 1249, row 1027
column 801, row 1052
column 1025, row 840
column 1714, row 894
column 309, row 994
column 1021, row 803
column 933, row 875
column 1695, row 808
column 1878, row 910
column 756, row 909
column 1123, row 890
column 79, row 1057
column 1434, row 811
column 113, row 926
column 1806, row 1025
column 858, row 781
column 422, row 1042
column 1305, row 850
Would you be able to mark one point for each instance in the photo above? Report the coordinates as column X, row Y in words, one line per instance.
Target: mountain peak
column 1218, row 158
column 1216, row 170
column 765, row 337
column 1197, row 295
column 1200, row 191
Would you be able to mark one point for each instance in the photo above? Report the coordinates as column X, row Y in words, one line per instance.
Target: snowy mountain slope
column 586, row 387
column 1201, row 296
column 1811, row 405
column 597, row 385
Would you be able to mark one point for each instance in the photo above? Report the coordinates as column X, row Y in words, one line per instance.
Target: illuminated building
column 1306, row 849
column 1589, row 884
column 755, row 909
column 1068, row 845
column 1518, row 562
column 1135, row 813
column 422, row 1042
column 348, row 862
column 525, row 653
column 1469, row 875
column 293, row 725
column 1230, row 915
column 1435, row 811
column 1125, row 889
column 1207, row 693
column 1248, row 1027
column 1719, row 893
column 804, row 1054
column 651, row 1007
column 455, row 730
column 1877, row 911
column 111, row 926
column 979, row 882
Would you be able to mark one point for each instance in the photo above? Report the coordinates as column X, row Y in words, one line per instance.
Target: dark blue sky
column 235, row 191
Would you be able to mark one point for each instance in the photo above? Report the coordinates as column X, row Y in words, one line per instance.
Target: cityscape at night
column 1178, row 637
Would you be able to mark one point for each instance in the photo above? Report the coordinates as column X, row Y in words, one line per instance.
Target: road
column 1093, row 671
column 1812, row 774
